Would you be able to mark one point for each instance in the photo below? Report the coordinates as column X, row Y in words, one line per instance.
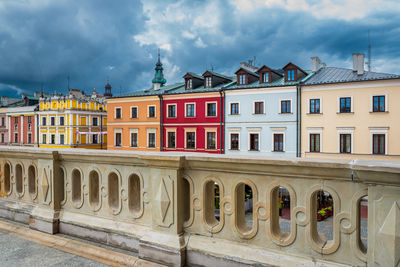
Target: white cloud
column 8, row 87
column 199, row 43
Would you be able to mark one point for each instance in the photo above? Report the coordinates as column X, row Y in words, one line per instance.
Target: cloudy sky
column 44, row 41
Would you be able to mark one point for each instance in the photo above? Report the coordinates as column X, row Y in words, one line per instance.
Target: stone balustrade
column 189, row 209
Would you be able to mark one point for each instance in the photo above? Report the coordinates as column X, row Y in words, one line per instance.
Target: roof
column 201, row 89
column 194, row 75
column 218, row 75
column 152, row 92
column 328, row 75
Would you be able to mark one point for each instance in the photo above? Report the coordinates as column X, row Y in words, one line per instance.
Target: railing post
column 45, row 216
column 165, row 242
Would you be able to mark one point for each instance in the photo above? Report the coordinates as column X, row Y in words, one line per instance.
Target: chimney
column 316, row 64
column 358, row 63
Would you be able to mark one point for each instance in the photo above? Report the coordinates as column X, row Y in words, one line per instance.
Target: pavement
column 21, row 246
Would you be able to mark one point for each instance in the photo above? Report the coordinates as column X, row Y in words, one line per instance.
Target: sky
column 42, row 42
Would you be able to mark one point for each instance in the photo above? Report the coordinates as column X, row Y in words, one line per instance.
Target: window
column 134, row 113
column 345, row 143
column 211, row 140
column 345, row 104
column 254, row 143
column 190, row 140
column 286, row 106
column 278, row 142
column 242, row 79
column 290, row 75
column 208, row 82
column 29, row 127
column 265, row 77
column 2, row 138
column 378, row 146
column 151, row 140
column 16, row 138
column 379, row 103
column 44, row 121
column 211, row 109
column 95, row 121
column 29, row 138
column 152, row 111
column 118, row 139
column 134, row 139
column 171, row 139
column 62, row 139
column 189, row 84
column 118, row 114
column 53, row 139
column 190, row 110
column 61, row 120
column 315, row 106
column 171, row 111
column 29, row 119
column 53, row 121
column 259, row 107
column 16, row 120
column 234, row 141
column 3, row 122
column 314, row 143
column 234, row 108
column 95, row 139
column 44, row 139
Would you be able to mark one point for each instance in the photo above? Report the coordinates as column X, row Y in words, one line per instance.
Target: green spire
column 159, row 76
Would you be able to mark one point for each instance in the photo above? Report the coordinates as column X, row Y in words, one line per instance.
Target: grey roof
column 195, row 75
column 219, row 75
column 152, row 92
column 328, row 75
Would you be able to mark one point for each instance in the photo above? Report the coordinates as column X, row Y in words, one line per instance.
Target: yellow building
column 350, row 113
column 73, row 121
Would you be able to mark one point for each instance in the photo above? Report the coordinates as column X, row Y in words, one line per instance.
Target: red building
column 22, row 125
column 193, row 114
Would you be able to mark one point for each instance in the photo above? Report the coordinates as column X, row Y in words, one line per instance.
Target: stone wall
column 189, row 209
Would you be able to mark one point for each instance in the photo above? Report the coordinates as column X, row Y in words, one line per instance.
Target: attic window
column 265, row 76
column 208, row 82
column 242, row 79
column 189, row 84
column 290, row 75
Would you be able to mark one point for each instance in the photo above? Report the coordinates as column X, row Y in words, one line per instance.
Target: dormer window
column 208, row 82
column 242, row 79
column 290, row 75
column 189, row 84
column 265, row 77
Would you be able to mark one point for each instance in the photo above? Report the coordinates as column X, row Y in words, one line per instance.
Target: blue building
column 261, row 111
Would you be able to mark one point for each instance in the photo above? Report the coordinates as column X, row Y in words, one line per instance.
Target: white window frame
column 149, row 131
column 345, row 130
column 148, row 111
column 41, row 140
column 273, row 143
column 176, row 111
column 137, row 111
column 55, row 121
column 230, row 109
column 170, row 130
column 55, row 139
column 311, row 131
column 195, row 136
column 259, row 141
column 263, row 76
column 131, row 131
column 211, row 130
column 291, row 106
column 378, row 130
column 208, row 78
column 309, row 105
column 372, row 103
column 59, row 138
column 351, row 106
column 115, row 137
column 98, row 121
column 59, row 120
column 230, row 141
column 216, row 109
column 254, row 107
column 191, row 103
column 115, row 113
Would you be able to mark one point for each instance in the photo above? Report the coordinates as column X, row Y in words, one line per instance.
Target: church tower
column 107, row 92
column 158, row 80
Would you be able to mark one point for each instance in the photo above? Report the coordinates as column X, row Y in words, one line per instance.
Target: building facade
column 22, row 123
column 350, row 113
column 3, row 126
column 261, row 111
column 73, row 121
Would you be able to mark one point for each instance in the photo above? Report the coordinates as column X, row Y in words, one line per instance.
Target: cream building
column 350, row 113
column 75, row 120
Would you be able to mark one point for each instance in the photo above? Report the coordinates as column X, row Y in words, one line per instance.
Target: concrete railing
column 210, row 210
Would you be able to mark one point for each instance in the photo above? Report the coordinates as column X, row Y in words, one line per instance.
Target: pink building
column 22, row 126
column 3, row 127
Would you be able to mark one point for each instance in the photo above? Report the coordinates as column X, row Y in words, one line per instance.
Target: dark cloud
column 42, row 42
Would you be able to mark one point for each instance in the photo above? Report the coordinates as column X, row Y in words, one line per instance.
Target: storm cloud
column 42, row 42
